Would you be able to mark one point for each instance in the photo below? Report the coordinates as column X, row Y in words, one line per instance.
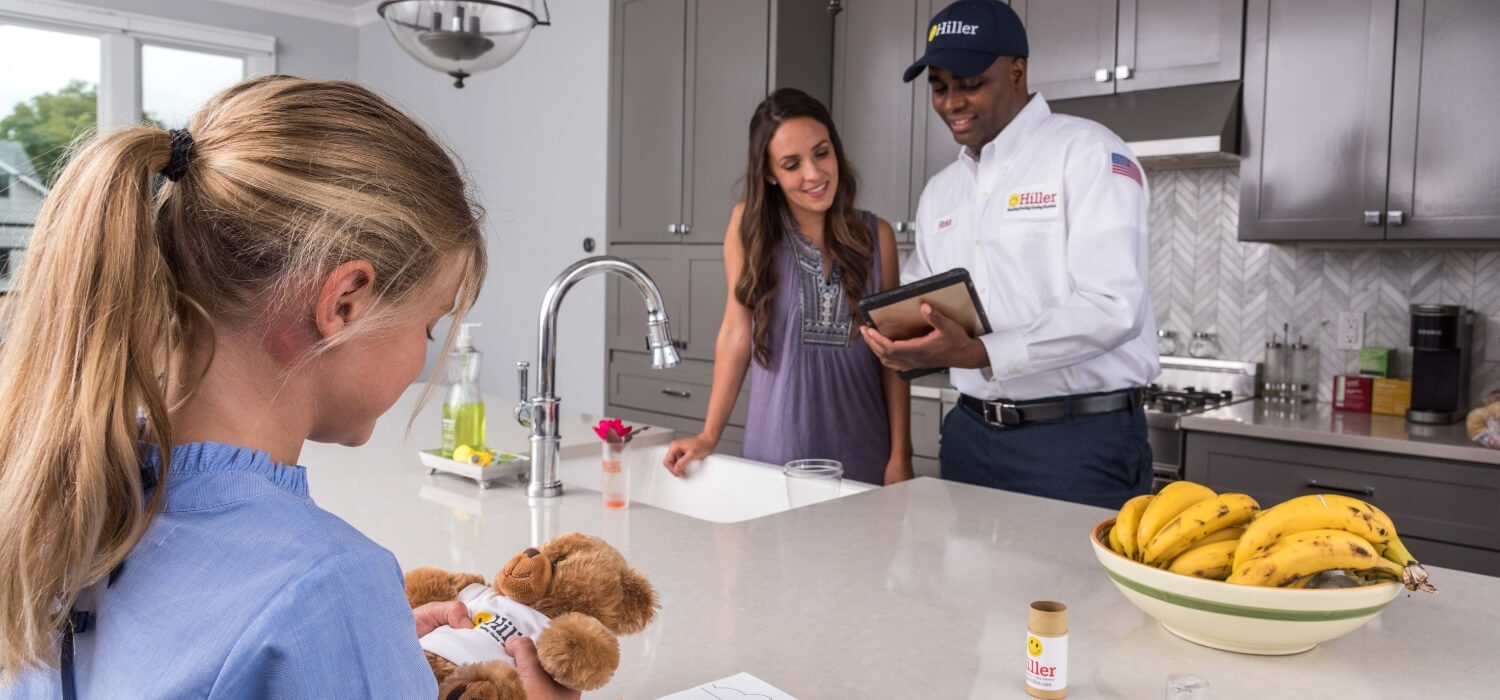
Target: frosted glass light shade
column 461, row 37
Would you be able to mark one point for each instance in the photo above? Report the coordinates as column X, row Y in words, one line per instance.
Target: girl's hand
column 431, row 616
column 534, row 680
column 681, row 452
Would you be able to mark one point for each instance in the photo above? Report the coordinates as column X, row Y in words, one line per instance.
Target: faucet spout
column 542, row 407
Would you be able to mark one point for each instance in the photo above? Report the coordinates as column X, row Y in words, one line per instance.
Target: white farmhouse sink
column 718, row 489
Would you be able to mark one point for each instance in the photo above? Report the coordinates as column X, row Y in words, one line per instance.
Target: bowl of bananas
column 1218, row 570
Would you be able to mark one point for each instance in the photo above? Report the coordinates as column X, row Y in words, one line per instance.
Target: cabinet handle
column 679, row 344
column 673, row 229
column 678, row 393
column 684, row 229
column 1367, row 491
column 1396, row 217
column 1101, row 75
column 1372, row 218
column 900, row 227
column 1123, row 72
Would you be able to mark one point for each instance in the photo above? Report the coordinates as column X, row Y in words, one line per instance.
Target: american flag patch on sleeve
column 1121, row 165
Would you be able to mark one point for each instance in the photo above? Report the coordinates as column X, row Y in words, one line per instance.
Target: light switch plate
column 1350, row 332
column 1492, row 339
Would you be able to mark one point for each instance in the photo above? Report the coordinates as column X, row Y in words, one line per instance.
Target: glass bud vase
column 614, row 482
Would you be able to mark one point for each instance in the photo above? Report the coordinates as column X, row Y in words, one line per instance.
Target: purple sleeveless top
column 822, row 396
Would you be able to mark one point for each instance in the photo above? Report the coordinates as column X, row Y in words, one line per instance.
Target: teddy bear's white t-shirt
column 496, row 619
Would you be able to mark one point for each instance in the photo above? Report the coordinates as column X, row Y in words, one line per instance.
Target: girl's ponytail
column 86, row 347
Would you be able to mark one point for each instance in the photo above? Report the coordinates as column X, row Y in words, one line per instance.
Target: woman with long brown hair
column 194, row 306
column 798, row 257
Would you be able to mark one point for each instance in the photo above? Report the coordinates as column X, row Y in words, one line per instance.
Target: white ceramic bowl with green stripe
column 1234, row 617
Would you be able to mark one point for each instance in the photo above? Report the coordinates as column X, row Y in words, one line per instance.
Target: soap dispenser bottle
column 463, row 409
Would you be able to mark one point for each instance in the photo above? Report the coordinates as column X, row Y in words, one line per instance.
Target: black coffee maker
column 1440, row 360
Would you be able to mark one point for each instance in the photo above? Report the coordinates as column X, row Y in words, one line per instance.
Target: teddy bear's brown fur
column 581, row 583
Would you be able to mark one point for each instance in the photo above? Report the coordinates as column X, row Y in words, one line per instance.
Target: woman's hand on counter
column 686, row 450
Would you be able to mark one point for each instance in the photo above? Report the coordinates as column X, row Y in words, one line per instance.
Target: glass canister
column 1166, row 343
column 1205, row 346
column 1272, row 372
column 1300, row 380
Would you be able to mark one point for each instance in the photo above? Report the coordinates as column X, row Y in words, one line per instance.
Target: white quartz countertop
column 1319, row 424
column 918, row 590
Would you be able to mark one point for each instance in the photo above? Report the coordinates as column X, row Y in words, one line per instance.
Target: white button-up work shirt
column 1050, row 221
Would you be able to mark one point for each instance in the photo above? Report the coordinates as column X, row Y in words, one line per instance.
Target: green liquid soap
column 462, row 425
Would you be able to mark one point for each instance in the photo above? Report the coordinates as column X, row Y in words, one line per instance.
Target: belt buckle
column 1001, row 413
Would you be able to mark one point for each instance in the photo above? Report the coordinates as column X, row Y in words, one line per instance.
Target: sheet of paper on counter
column 740, row 686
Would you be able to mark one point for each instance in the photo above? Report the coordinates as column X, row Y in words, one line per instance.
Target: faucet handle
column 523, row 408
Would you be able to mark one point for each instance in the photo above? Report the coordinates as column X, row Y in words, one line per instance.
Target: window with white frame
column 71, row 69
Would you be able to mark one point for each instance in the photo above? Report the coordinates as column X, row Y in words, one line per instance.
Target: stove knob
column 1226, row 394
column 1188, row 390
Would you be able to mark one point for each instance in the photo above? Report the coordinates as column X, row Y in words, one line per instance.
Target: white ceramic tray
column 504, row 464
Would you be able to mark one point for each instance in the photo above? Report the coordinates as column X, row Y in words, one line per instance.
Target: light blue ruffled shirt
column 243, row 588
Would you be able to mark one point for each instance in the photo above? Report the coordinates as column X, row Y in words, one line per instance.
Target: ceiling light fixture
column 462, row 37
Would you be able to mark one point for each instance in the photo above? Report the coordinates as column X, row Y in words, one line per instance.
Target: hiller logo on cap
column 952, row 27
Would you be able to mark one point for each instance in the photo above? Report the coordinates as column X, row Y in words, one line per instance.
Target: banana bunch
column 1185, row 528
column 1305, row 536
column 1189, row 529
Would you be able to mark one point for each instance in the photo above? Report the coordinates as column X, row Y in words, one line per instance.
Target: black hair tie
column 182, row 152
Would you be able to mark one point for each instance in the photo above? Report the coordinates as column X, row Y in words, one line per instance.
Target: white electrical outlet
column 1350, row 332
column 1492, row 339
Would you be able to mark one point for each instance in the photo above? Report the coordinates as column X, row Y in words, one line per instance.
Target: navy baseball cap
column 967, row 36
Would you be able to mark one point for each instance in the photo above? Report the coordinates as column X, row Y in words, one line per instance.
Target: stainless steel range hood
column 1179, row 127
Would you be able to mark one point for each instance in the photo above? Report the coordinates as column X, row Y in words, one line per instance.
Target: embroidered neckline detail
column 825, row 309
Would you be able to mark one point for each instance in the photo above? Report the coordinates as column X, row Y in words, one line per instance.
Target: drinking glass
column 809, row 481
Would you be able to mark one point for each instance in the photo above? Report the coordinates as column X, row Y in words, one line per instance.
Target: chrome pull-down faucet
column 540, row 411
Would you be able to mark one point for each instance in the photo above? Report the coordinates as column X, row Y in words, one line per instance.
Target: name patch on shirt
column 1034, row 202
column 945, row 223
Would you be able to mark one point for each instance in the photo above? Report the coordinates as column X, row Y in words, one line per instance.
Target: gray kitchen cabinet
column 674, row 398
column 1447, row 512
column 1081, row 48
column 650, row 107
column 1317, row 119
column 1445, row 150
column 926, row 426
column 692, row 283
column 1072, row 46
column 891, row 134
column 687, row 74
column 1364, row 120
column 685, row 78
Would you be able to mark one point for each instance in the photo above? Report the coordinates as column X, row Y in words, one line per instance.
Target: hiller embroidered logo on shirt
column 952, row 27
column 945, row 222
column 1031, row 201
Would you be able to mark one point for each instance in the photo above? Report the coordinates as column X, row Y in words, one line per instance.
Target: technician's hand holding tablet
column 928, row 325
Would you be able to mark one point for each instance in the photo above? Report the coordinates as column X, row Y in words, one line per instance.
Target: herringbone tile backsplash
column 1204, row 279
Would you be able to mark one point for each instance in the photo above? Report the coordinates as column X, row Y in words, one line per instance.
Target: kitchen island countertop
column 918, row 590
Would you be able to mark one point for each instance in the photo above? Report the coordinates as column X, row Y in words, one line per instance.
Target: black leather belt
column 1002, row 413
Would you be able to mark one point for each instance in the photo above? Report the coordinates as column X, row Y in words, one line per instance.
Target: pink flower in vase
column 614, row 430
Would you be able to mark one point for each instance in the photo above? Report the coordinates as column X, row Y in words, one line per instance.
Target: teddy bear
column 573, row 595
column 1484, row 422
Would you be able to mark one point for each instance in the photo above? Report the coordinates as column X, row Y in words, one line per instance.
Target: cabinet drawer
column 926, row 426
column 680, row 391
column 1430, row 499
column 729, row 443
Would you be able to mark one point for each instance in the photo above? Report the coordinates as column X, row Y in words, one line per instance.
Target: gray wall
column 304, row 47
column 531, row 134
column 1203, row 279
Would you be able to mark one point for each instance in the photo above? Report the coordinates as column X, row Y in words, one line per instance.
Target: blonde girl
column 194, row 306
